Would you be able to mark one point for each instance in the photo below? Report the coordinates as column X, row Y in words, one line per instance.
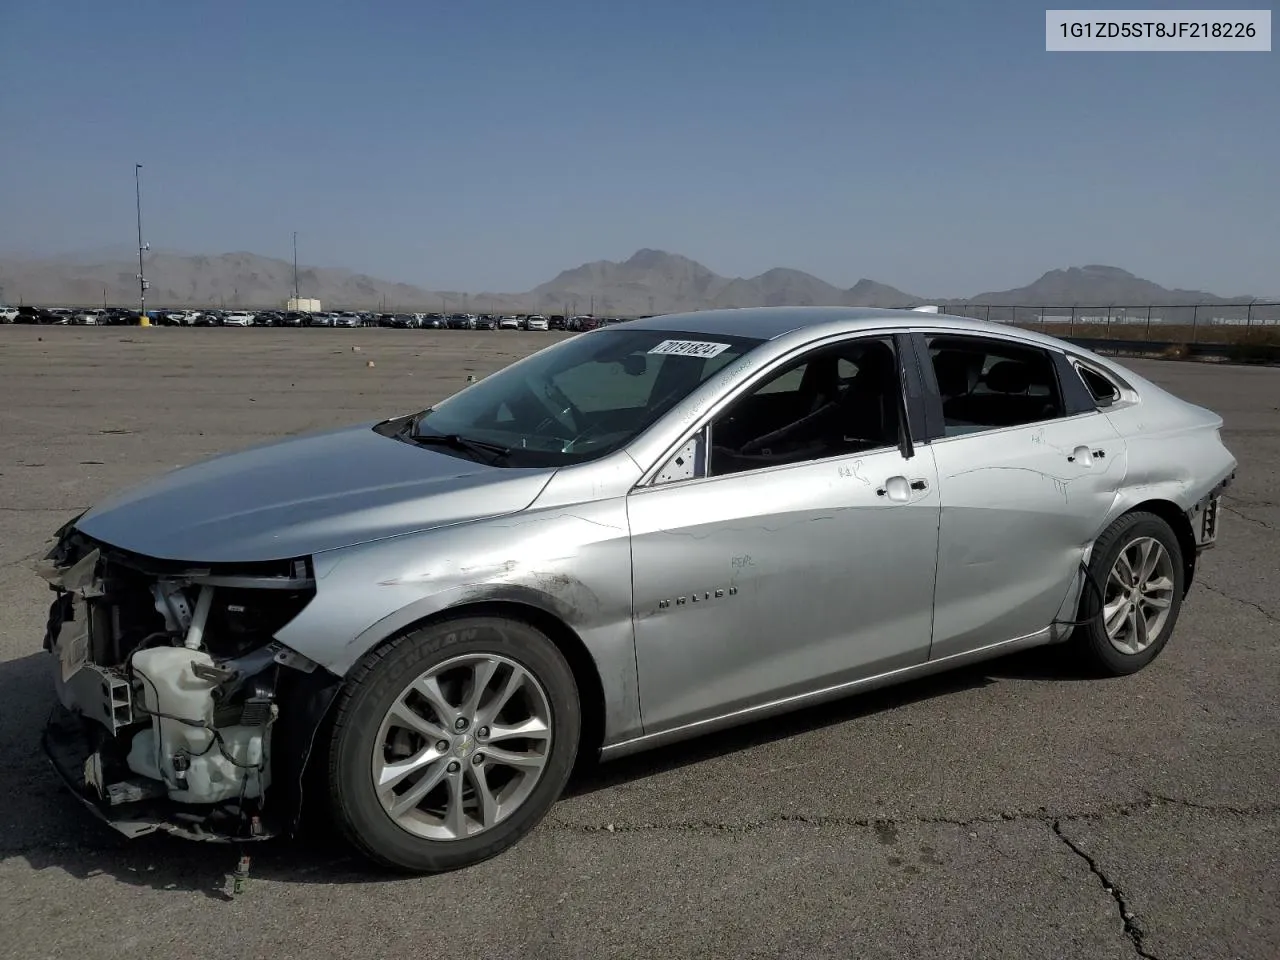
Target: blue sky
column 488, row 145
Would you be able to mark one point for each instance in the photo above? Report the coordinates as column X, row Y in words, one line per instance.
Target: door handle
column 1083, row 456
column 898, row 489
column 919, row 484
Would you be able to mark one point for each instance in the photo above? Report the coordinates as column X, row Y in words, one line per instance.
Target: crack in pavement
column 1254, row 503
column 1245, row 516
column 754, row 826
column 1149, row 802
column 1258, row 810
column 7, row 509
column 21, row 561
column 1132, row 929
column 1248, row 603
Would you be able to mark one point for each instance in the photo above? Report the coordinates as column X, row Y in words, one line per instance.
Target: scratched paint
column 852, row 471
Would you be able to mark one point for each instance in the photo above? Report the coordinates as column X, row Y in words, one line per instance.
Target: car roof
column 769, row 323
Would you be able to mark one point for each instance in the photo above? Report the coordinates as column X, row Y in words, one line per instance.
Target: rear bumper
column 1204, row 515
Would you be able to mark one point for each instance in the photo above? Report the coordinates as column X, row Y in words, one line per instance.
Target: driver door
column 800, row 557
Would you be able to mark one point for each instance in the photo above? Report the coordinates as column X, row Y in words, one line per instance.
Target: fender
column 542, row 558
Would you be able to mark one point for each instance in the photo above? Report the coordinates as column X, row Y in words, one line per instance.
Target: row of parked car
column 67, row 316
column 118, row 316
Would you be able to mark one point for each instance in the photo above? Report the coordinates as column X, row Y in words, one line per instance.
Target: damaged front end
column 178, row 710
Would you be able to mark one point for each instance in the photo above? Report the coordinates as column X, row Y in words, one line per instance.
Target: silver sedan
column 638, row 534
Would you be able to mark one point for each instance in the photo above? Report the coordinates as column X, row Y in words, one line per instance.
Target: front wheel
column 452, row 742
column 1137, row 568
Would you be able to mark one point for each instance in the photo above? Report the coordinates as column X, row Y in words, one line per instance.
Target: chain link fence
column 1246, row 322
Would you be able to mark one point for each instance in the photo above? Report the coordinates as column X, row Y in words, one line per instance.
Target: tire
column 424, row 838
column 1101, row 652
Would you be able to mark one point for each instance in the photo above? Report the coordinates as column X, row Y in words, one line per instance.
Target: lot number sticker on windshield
column 691, row 348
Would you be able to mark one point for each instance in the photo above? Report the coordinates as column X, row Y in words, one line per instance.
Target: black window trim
column 934, row 425
column 936, row 420
column 913, row 411
column 1075, row 393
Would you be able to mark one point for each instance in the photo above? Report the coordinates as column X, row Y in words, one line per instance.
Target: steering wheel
column 559, row 396
column 563, row 412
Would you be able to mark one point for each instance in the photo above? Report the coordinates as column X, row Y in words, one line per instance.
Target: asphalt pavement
column 1008, row 810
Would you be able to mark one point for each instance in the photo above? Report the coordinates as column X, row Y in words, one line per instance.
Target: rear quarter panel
column 1175, row 448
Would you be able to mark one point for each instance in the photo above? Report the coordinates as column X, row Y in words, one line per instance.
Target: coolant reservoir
column 180, row 748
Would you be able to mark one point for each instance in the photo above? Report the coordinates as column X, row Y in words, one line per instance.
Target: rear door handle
column 1082, row 455
column 919, row 484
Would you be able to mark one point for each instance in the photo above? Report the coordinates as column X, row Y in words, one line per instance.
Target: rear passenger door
column 1027, row 469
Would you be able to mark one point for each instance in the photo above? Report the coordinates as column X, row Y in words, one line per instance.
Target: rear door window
column 988, row 384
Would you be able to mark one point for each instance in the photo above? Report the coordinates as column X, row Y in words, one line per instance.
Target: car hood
column 303, row 495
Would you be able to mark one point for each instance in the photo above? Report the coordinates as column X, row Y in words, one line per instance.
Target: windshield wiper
column 458, row 442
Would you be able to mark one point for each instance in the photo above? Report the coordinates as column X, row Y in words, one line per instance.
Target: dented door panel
column 1020, row 506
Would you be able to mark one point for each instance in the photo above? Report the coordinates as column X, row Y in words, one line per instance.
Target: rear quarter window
column 1103, row 391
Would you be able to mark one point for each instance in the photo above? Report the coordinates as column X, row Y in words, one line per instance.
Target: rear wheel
column 452, row 742
column 1137, row 566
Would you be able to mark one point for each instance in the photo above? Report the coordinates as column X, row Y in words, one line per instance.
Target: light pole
column 295, row 271
column 143, row 321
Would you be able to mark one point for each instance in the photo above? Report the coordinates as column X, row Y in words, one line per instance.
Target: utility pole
column 143, row 320
column 295, row 269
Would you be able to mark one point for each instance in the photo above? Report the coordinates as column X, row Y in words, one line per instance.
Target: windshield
column 583, row 397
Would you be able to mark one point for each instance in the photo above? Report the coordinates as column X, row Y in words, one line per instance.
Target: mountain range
column 650, row 281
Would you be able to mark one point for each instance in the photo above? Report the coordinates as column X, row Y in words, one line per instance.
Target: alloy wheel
column 462, row 747
column 1138, row 595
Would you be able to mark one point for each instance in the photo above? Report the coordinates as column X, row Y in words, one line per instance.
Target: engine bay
column 170, row 688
